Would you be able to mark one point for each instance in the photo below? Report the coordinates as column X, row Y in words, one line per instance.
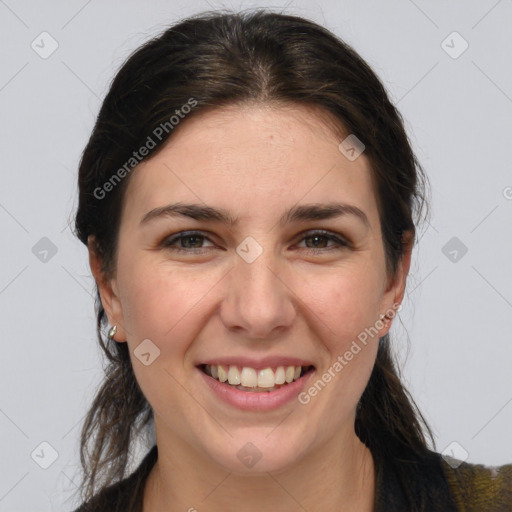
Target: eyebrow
column 306, row 212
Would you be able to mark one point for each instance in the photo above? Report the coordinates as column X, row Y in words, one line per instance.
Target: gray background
column 454, row 336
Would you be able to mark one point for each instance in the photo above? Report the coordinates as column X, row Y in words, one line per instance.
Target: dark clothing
column 434, row 483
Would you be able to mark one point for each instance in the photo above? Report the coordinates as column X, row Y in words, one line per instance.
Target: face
column 268, row 290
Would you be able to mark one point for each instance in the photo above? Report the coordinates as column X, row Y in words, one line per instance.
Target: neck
column 338, row 476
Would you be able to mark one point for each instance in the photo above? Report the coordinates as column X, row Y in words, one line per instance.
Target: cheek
column 347, row 306
column 162, row 303
column 345, row 300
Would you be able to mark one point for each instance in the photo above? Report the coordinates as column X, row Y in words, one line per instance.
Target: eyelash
column 168, row 242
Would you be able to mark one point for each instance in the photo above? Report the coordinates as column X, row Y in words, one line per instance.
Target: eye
column 192, row 242
column 189, row 239
column 317, row 236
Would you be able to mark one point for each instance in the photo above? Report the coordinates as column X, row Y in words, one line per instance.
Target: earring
column 112, row 332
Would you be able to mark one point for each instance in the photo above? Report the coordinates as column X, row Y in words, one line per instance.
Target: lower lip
column 260, row 401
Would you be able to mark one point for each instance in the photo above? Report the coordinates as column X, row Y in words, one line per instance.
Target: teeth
column 233, row 376
column 222, row 374
column 280, row 376
column 266, row 378
column 248, row 377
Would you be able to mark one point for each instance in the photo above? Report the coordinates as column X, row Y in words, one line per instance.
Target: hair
column 218, row 59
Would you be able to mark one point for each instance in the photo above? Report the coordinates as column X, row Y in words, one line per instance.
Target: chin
column 258, row 453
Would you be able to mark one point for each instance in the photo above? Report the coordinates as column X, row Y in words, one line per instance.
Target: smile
column 251, row 380
column 260, row 390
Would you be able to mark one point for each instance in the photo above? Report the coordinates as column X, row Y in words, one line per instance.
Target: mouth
column 251, row 380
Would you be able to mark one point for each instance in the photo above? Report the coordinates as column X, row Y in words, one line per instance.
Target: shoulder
column 477, row 487
column 114, row 498
column 124, row 495
column 434, row 482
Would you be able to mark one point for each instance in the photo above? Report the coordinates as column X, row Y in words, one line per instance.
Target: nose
column 259, row 301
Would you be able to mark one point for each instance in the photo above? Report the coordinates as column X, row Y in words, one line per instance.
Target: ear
column 108, row 291
column 395, row 290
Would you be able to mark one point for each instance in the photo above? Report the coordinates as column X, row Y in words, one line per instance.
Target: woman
column 247, row 199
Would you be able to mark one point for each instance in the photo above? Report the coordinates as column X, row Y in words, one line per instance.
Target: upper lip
column 257, row 364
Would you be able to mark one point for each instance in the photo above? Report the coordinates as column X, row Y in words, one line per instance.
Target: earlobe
column 108, row 291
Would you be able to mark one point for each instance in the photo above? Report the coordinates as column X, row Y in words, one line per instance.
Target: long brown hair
column 221, row 58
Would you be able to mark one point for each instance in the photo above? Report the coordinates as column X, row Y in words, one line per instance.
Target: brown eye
column 189, row 241
column 192, row 242
column 321, row 238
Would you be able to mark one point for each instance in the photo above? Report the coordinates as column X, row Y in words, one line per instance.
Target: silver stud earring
column 112, row 332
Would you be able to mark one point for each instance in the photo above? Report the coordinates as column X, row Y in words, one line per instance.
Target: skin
column 256, row 162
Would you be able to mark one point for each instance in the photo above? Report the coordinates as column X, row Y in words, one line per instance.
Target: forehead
column 253, row 160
